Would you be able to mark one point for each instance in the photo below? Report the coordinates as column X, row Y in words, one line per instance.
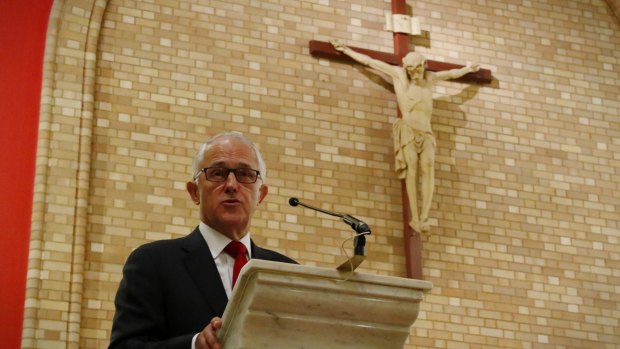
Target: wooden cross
column 413, row 241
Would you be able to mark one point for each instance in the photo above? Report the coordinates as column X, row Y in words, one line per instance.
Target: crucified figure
column 414, row 142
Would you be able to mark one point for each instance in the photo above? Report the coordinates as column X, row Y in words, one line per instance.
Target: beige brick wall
column 525, row 249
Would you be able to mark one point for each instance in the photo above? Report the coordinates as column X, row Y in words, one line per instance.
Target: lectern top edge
column 320, row 272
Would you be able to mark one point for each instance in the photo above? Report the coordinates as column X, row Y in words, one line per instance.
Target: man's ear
column 192, row 189
column 262, row 192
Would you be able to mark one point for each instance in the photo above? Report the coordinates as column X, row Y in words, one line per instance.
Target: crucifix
column 414, row 142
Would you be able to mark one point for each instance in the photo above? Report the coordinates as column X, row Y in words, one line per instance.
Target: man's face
column 415, row 71
column 228, row 206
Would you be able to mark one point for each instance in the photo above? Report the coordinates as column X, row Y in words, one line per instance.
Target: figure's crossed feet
column 425, row 227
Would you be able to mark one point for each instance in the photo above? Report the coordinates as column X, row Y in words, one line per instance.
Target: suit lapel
column 258, row 252
column 202, row 270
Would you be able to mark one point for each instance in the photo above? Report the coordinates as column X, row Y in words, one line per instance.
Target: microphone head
column 293, row 202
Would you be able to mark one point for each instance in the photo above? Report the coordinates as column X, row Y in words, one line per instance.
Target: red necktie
column 238, row 251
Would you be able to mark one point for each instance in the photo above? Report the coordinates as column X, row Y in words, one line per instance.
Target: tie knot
column 235, row 249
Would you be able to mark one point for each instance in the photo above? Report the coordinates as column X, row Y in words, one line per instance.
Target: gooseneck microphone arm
column 295, row 201
column 360, row 227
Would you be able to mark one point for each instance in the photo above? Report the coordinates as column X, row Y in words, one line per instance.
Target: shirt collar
column 218, row 241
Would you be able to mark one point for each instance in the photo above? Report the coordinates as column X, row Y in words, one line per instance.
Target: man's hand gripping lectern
column 287, row 306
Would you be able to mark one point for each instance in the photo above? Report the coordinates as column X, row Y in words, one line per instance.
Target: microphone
column 295, row 201
column 360, row 227
column 357, row 225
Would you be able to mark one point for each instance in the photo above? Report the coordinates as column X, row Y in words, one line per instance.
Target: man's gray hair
column 262, row 168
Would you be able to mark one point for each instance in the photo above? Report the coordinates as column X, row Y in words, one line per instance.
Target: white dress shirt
column 223, row 261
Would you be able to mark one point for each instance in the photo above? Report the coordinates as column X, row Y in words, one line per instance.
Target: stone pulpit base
column 288, row 306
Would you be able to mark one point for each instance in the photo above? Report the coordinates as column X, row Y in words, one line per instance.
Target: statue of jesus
column 414, row 142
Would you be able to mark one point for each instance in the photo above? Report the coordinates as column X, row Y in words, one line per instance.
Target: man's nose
column 231, row 179
column 231, row 185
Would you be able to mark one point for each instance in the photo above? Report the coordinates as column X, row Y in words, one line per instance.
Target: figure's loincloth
column 407, row 136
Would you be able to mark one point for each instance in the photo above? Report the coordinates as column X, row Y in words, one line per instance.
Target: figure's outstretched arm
column 365, row 60
column 455, row 73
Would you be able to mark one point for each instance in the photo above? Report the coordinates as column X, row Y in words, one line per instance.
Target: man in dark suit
column 173, row 292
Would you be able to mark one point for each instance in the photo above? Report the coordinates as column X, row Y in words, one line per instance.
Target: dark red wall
column 23, row 24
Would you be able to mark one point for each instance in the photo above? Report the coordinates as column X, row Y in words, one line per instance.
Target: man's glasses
column 220, row 174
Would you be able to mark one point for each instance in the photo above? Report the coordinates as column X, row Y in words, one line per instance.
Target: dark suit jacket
column 170, row 291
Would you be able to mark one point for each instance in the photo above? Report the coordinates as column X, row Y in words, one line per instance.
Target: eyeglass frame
column 228, row 171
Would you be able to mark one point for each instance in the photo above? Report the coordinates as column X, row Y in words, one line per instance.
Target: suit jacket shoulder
column 263, row 253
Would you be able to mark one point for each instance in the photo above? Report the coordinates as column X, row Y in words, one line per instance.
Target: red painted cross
column 412, row 239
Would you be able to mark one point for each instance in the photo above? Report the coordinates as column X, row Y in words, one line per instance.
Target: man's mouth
column 231, row 202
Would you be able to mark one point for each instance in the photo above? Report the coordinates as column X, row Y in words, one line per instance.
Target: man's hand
column 474, row 67
column 338, row 45
column 207, row 339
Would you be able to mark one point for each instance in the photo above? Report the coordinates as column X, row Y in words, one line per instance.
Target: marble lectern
column 286, row 306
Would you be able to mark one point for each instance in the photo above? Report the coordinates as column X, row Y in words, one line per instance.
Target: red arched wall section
column 23, row 25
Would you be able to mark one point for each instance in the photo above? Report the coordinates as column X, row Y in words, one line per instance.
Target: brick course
column 524, row 250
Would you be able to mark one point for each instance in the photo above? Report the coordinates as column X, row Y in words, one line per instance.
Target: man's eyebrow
column 237, row 165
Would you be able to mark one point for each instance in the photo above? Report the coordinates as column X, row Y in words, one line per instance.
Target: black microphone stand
column 362, row 229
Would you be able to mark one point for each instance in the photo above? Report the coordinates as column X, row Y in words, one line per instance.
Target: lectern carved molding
column 278, row 305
